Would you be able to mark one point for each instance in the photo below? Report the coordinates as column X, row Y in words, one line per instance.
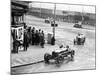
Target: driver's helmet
column 79, row 34
column 61, row 46
column 67, row 46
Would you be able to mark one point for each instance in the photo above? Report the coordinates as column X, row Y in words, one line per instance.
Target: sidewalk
column 32, row 55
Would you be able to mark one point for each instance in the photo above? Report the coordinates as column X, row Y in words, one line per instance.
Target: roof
column 18, row 7
column 23, row 4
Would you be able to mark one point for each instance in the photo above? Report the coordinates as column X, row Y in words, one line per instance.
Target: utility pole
column 82, row 15
column 53, row 25
column 40, row 9
column 54, row 20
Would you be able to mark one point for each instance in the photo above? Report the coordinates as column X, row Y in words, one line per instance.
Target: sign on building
column 18, row 32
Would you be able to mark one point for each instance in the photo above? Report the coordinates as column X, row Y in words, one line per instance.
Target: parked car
column 47, row 20
column 78, row 25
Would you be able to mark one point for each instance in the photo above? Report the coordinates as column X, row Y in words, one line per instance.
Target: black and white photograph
column 51, row 37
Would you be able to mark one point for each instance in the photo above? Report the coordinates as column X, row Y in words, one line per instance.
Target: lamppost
column 54, row 25
column 54, row 20
column 40, row 10
column 82, row 15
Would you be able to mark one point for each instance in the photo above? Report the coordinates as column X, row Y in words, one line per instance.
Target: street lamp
column 54, row 25
column 82, row 14
column 54, row 20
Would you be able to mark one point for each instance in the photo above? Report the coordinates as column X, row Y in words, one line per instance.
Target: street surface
column 65, row 33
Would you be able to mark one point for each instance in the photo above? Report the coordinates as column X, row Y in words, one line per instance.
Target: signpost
column 54, row 25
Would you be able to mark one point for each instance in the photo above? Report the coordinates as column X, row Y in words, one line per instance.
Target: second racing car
column 79, row 40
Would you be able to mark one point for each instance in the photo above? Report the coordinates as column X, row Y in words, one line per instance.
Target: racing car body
column 59, row 55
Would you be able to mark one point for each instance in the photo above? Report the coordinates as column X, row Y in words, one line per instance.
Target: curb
column 27, row 64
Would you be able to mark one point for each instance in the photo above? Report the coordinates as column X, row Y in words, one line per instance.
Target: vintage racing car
column 59, row 55
column 79, row 40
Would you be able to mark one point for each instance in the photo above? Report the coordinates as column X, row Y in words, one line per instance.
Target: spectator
column 33, row 37
column 15, row 45
column 42, row 41
column 37, row 37
column 26, row 41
